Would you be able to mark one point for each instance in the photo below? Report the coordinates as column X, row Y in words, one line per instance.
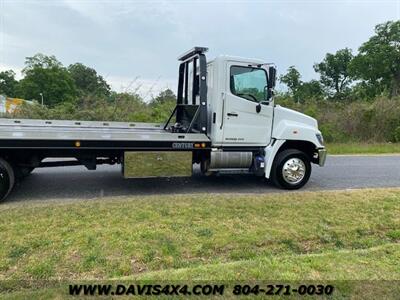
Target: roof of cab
column 238, row 59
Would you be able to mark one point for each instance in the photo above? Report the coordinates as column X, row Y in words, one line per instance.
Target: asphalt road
column 340, row 172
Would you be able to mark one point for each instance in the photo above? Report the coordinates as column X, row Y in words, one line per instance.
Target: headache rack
column 191, row 108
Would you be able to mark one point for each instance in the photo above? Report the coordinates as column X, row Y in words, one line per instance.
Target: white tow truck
column 225, row 119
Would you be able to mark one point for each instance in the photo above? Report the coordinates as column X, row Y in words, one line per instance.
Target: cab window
column 248, row 82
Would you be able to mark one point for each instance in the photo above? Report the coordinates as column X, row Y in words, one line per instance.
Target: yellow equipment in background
column 9, row 105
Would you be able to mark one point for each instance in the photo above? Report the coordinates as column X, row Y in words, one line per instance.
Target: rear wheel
column 291, row 169
column 7, row 179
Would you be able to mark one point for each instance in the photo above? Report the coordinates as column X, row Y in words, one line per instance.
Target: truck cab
column 240, row 110
column 247, row 130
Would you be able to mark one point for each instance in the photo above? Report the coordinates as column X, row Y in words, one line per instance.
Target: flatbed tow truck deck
column 54, row 134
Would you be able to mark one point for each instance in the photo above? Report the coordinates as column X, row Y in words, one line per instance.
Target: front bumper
column 322, row 156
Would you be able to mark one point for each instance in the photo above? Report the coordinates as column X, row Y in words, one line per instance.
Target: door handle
column 223, row 109
column 232, row 114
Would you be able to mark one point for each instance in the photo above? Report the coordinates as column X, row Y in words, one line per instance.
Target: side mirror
column 268, row 93
column 269, row 89
column 271, row 77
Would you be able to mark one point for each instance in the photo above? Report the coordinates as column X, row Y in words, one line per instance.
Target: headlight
column 320, row 138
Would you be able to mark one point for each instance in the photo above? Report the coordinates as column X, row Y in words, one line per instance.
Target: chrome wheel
column 294, row 170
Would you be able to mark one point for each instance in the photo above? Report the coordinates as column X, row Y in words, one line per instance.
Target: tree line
column 78, row 92
column 46, row 76
column 373, row 71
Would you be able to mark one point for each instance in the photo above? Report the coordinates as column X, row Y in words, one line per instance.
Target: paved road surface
column 340, row 172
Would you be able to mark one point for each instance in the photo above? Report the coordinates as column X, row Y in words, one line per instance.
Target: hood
column 282, row 113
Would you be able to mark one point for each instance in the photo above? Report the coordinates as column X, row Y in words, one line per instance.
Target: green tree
column 87, row 81
column 309, row 90
column 8, row 83
column 291, row 79
column 46, row 75
column 162, row 105
column 164, row 96
column 334, row 71
column 301, row 91
column 378, row 61
column 128, row 107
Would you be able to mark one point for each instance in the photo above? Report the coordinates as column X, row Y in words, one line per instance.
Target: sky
column 134, row 45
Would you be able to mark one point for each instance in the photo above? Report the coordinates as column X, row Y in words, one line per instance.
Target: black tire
column 277, row 170
column 22, row 172
column 7, row 179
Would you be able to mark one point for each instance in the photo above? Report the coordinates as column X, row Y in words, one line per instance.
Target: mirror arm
column 258, row 108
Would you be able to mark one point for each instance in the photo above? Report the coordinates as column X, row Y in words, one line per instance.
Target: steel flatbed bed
column 55, row 134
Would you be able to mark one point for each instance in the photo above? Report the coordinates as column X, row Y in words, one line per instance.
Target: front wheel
column 291, row 169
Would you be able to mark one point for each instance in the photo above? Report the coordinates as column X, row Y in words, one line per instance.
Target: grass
column 337, row 235
column 363, row 148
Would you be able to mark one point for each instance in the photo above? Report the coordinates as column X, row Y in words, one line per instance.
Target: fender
column 289, row 130
column 270, row 153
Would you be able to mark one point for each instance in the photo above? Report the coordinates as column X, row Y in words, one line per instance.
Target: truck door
column 247, row 116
